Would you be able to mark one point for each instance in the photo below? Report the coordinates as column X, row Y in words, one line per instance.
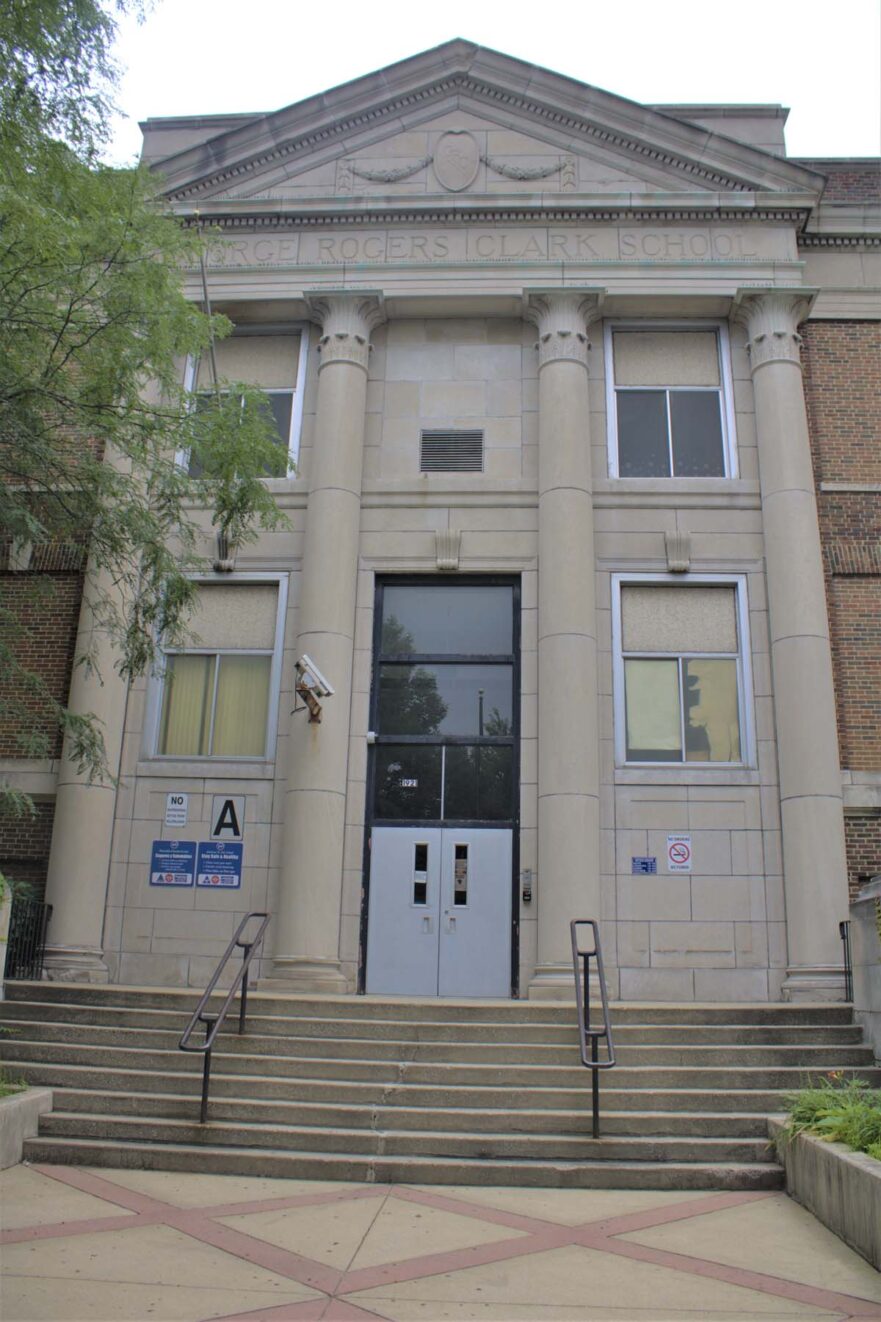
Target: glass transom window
column 444, row 705
column 668, row 403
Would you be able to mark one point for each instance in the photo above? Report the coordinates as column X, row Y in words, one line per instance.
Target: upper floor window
column 669, row 401
column 273, row 359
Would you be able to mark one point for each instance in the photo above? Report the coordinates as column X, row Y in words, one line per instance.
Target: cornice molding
column 858, row 242
column 456, row 216
column 463, row 84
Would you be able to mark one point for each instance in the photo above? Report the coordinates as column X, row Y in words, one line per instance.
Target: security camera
column 311, row 677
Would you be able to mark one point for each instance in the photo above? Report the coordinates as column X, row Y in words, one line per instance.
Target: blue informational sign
column 172, row 862
column 219, row 864
column 643, row 866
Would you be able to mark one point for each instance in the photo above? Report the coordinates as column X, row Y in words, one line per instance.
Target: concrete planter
column 19, row 1117
column 841, row 1187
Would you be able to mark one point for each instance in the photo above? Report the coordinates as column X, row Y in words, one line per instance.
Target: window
column 669, row 401
column 271, row 358
column 445, row 702
column 217, row 696
column 681, row 681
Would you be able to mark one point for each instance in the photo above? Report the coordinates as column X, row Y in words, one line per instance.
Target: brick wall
column 862, row 834
column 842, row 363
column 842, row 366
column 855, row 618
column 847, row 180
column 24, row 846
column 47, row 606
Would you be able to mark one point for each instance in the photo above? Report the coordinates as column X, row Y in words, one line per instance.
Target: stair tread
column 204, row 1149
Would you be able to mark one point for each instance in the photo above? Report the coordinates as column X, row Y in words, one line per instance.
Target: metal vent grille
column 451, row 452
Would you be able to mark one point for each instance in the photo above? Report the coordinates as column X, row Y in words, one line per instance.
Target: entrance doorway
column 440, row 912
column 440, row 909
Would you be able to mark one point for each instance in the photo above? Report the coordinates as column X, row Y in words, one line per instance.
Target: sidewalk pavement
column 126, row 1246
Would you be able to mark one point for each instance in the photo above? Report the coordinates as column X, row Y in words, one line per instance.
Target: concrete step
column 368, row 1094
column 517, row 1077
column 16, row 1013
column 576, row 1146
column 373, row 1088
column 406, row 1170
column 244, row 1110
column 462, row 1052
column 431, row 1010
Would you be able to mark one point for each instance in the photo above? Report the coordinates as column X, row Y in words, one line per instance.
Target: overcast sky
column 819, row 58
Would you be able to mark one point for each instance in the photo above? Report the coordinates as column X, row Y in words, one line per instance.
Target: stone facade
column 468, row 247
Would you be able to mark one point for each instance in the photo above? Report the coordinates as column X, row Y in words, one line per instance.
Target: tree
column 94, row 329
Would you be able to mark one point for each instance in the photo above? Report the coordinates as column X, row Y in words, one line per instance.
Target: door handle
column 426, row 925
column 451, row 923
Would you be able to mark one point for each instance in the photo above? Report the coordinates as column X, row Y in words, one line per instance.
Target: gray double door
column 439, row 912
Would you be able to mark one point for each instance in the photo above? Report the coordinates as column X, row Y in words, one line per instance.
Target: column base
column 306, row 977
column 74, row 964
column 813, row 982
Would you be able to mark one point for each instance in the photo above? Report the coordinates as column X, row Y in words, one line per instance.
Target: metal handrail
column 214, row 1022
column 587, row 1035
column 844, row 933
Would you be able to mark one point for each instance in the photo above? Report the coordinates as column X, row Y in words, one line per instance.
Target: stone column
column 307, row 927
column 814, row 863
column 568, row 729
column 82, row 837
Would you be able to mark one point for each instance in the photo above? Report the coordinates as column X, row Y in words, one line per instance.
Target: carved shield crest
column 456, row 160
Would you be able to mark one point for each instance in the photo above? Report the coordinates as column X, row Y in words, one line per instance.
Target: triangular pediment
column 463, row 122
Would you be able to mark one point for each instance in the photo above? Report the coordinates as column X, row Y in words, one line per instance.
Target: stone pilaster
column 814, row 864
column 306, row 938
column 568, row 728
column 82, row 836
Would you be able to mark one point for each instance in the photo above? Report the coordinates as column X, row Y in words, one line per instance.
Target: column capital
column 562, row 318
column 346, row 320
column 771, row 318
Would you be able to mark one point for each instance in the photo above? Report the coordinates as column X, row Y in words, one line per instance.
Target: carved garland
column 390, row 176
column 520, row 172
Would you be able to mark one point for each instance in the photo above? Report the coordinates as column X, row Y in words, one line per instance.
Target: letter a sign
column 227, row 817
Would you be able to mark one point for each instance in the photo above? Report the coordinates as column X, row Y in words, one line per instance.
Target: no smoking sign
column 678, row 853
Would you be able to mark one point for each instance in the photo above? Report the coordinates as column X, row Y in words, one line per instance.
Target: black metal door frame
column 513, row 824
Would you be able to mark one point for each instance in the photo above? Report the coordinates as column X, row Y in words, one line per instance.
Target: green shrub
column 840, row 1110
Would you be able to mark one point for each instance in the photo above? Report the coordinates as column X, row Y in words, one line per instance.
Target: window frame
column 745, row 697
column 725, row 390
column 296, row 391
column 443, row 742
column 153, row 722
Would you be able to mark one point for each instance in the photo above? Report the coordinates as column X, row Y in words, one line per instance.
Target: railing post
column 243, row 995
column 208, row 1020
column 595, row 1085
column 844, row 933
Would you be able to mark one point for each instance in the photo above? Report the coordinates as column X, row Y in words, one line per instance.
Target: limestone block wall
column 168, row 936
column 451, row 374
column 717, row 933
